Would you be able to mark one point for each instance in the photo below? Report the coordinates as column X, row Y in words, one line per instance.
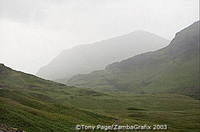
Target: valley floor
column 62, row 108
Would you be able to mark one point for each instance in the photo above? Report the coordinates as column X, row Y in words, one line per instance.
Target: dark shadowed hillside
column 86, row 58
column 173, row 69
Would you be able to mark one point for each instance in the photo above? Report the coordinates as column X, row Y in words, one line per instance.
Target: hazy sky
column 33, row 32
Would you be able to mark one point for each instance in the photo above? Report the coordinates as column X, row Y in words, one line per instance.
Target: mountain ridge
column 146, row 72
column 95, row 56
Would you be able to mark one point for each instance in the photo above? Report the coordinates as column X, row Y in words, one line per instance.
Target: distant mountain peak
column 90, row 57
column 174, row 69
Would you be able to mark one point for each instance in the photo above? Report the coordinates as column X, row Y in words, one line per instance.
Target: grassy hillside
column 37, row 105
column 173, row 69
column 27, row 102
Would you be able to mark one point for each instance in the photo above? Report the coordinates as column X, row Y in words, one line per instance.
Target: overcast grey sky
column 33, row 32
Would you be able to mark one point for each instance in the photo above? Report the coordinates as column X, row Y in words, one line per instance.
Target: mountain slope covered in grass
column 29, row 103
column 36, row 105
column 86, row 58
column 173, row 69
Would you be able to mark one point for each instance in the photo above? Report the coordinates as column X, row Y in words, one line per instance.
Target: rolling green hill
column 36, row 105
column 29, row 103
column 173, row 69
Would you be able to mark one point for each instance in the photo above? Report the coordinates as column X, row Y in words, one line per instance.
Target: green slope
column 38, row 105
column 173, row 69
column 29, row 103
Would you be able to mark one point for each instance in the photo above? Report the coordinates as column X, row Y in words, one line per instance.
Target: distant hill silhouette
column 87, row 58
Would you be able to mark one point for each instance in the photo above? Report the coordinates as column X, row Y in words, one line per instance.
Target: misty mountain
column 87, row 58
column 173, row 69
